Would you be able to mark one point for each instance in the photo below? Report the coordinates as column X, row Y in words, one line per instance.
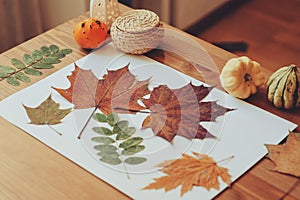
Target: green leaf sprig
column 117, row 142
column 44, row 58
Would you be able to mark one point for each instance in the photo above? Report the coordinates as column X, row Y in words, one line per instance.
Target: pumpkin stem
column 247, row 77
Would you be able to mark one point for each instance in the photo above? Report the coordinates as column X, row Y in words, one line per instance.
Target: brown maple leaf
column 190, row 171
column 179, row 112
column 286, row 156
column 117, row 91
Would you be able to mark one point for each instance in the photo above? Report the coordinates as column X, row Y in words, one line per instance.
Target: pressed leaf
column 65, row 51
column 131, row 142
column 113, row 154
column 106, row 148
column 28, row 59
column 42, row 66
column 48, row 112
column 99, row 117
column 5, row 70
column 103, row 131
column 135, row 160
column 49, row 60
column 126, row 133
column 13, row 81
column 17, row 63
column 37, row 55
column 54, row 48
column 45, row 51
column 111, row 160
column 104, row 140
column 133, row 150
column 32, row 72
column 22, row 77
column 120, row 126
column 113, row 119
column 190, row 171
column 180, row 111
column 56, row 55
column 286, row 157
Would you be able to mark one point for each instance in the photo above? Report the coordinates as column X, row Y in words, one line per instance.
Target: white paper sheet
column 242, row 132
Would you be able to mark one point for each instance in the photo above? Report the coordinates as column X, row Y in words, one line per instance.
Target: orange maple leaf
column 190, row 171
column 179, row 112
column 117, row 89
column 286, row 156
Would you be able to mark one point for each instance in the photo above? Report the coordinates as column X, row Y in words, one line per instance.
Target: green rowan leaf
column 106, row 148
column 100, row 117
column 5, row 70
column 22, row 77
column 48, row 112
column 49, row 60
column 45, row 50
column 65, row 51
column 120, row 126
column 112, row 119
column 135, row 160
column 37, row 55
column 13, row 81
column 56, row 55
column 133, row 150
column 111, row 160
column 53, row 48
column 103, row 140
column 108, row 154
column 28, row 59
column 33, row 72
column 17, row 63
column 131, row 142
column 103, row 131
column 42, row 66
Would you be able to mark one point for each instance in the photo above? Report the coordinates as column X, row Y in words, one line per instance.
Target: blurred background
column 267, row 31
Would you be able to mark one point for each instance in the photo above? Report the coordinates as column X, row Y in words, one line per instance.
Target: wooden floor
column 270, row 28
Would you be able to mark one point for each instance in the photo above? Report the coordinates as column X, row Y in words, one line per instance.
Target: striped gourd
column 283, row 87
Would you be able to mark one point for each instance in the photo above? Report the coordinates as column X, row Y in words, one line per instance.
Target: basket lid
column 137, row 20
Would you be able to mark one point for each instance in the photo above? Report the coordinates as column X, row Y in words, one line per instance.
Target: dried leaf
column 135, row 160
column 53, row 48
column 286, row 157
column 179, row 112
column 47, row 112
column 33, row 72
column 28, row 59
column 37, row 55
column 133, row 150
column 22, row 77
column 17, row 63
column 190, row 171
column 117, row 89
column 5, row 70
column 131, row 142
column 13, row 81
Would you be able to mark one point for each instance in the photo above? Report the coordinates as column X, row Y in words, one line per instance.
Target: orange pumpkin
column 90, row 33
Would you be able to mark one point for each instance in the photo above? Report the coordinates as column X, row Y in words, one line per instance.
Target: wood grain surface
column 31, row 170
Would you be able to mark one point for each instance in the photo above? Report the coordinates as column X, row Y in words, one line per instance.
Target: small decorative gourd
column 241, row 76
column 283, row 87
column 105, row 10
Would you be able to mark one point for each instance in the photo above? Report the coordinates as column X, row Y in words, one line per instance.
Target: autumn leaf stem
column 86, row 123
column 225, row 159
column 53, row 129
column 135, row 111
column 291, row 189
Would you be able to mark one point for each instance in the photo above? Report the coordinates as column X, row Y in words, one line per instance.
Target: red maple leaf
column 179, row 112
column 117, row 91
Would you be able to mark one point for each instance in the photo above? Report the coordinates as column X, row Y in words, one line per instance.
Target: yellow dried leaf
column 286, row 156
column 190, row 171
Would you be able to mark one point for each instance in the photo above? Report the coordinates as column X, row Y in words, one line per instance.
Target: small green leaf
column 131, row 142
column 45, row 50
column 102, row 130
column 17, row 63
column 112, row 119
column 126, row 133
column 56, row 55
column 33, row 72
column 108, row 154
column 120, row 126
column 65, row 51
column 106, row 148
column 133, row 150
column 5, row 70
column 50, row 61
column 22, row 77
column 103, row 140
column 42, row 66
column 37, row 55
column 28, row 59
column 135, row 160
column 53, row 48
column 111, row 160
column 13, row 81
column 100, row 117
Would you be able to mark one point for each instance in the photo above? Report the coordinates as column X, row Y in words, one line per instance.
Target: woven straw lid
column 136, row 31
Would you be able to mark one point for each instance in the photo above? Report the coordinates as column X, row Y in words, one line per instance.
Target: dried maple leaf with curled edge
column 179, row 112
column 190, row 171
column 117, row 91
column 286, row 156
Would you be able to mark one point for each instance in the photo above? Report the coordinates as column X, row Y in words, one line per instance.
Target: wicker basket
column 137, row 31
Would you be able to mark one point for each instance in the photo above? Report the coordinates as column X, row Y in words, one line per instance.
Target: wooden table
column 30, row 170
